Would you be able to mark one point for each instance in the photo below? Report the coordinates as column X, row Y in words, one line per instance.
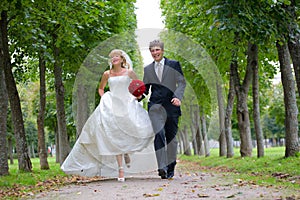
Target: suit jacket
column 172, row 85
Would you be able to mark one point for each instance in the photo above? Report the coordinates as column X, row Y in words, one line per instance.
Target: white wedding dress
column 118, row 125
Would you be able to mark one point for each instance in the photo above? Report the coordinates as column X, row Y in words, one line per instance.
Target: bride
column 118, row 130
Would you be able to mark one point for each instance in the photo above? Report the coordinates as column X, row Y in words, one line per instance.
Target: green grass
column 28, row 179
column 272, row 169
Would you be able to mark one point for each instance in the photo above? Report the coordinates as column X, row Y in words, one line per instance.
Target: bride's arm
column 103, row 83
column 132, row 74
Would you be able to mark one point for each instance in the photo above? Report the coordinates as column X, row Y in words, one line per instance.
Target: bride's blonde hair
column 120, row 53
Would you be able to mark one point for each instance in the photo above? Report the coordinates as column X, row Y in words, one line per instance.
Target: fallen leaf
column 188, row 174
column 197, row 186
column 231, row 196
column 203, row 195
column 150, row 195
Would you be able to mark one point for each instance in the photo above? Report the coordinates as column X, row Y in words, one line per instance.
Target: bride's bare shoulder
column 106, row 73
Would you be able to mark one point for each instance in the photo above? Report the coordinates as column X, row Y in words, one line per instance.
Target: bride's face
column 116, row 59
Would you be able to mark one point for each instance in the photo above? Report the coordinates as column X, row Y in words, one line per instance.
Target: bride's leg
column 127, row 159
column 121, row 170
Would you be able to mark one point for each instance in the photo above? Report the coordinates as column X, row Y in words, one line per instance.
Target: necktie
column 159, row 71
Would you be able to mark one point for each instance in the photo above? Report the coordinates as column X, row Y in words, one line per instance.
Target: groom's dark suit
column 163, row 114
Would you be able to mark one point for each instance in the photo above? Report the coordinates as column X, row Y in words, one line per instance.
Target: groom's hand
column 176, row 102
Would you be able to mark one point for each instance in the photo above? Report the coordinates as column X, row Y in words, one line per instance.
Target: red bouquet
column 137, row 87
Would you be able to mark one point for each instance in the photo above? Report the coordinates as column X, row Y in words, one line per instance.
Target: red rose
column 137, row 87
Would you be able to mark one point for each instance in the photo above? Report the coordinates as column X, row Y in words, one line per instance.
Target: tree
column 59, row 40
column 217, row 24
column 228, row 114
column 3, row 120
column 241, row 91
column 288, row 83
column 185, row 141
column 204, row 134
column 14, row 100
column 222, row 138
column 291, row 109
column 294, row 38
column 43, row 154
column 253, row 59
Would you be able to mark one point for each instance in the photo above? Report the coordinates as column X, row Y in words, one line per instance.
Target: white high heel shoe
column 121, row 179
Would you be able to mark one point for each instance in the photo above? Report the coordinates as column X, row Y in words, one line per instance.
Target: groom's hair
column 156, row 43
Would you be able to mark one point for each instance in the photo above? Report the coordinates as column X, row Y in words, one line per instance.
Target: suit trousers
column 165, row 142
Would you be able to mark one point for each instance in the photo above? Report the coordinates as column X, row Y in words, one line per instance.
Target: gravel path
column 185, row 185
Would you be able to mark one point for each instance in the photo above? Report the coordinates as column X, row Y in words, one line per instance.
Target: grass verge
column 272, row 169
column 22, row 185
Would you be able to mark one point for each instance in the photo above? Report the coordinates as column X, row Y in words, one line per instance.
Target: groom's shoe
column 170, row 174
column 162, row 173
column 171, row 169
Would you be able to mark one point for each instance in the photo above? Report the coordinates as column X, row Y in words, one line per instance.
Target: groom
column 165, row 77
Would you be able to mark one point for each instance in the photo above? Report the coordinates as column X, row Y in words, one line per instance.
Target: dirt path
column 185, row 185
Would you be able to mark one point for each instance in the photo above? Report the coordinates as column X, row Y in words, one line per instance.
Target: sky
column 148, row 14
column 149, row 24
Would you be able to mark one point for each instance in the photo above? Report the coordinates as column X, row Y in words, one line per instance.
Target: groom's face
column 157, row 53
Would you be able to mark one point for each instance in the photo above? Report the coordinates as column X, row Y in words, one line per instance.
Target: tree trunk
column 180, row 142
column 82, row 107
column 200, row 143
column 293, row 43
column 41, row 117
column 228, row 114
column 187, row 149
column 183, row 141
column 56, row 145
column 204, row 135
column 244, row 125
column 199, row 138
column 64, row 146
column 14, row 100
column 253, row 58
column 291, row 109
column 222, row 137
column 194, row 126
column 294, row 48
column 242, row 108
column 3, row 120
column 194, row 141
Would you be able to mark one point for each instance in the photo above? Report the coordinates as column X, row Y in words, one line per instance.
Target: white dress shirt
column 161, row 66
